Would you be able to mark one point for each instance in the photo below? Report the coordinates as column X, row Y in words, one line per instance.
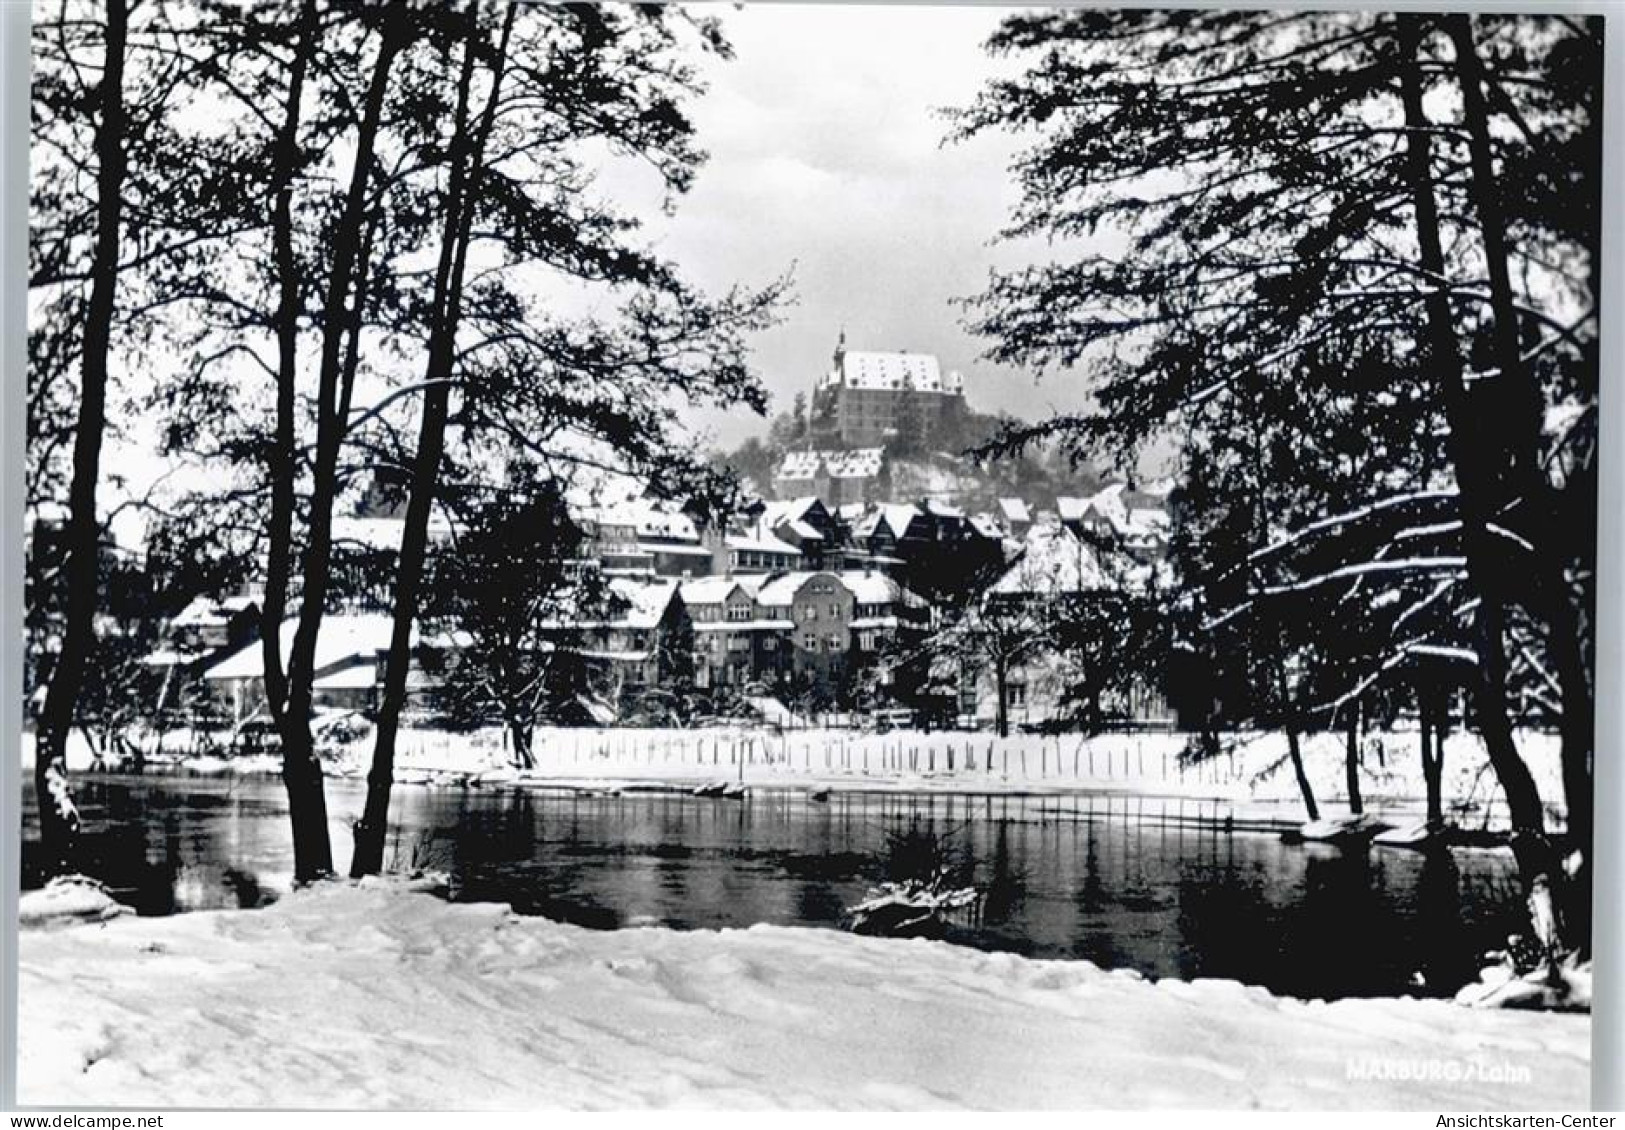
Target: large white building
column 870, row 397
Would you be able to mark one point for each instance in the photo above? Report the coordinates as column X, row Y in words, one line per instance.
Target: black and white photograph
column 607, row 556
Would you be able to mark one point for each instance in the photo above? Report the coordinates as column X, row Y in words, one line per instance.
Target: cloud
column 825, row 137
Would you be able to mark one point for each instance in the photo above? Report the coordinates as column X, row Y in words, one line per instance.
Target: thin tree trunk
column 59, row 818
column 1430, row 779
column 1001, row 709
column 283, row 467
column 1351, row 762
column 467, row 155
column 1470, row 450
column 522, row 731
column 1295, row 752
column 300, row 776
column 301, row 769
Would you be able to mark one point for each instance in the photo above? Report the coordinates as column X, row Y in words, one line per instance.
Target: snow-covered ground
column 371, row 996
column 1253, row 768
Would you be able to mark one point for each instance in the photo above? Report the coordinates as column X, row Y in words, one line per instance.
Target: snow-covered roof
column 756, row 540
column 799, row 465
column 361, row 677
column 899, row 516
column 986, row 525
column 715, row 590
column 1131, row 513
column 875, row 588
column 341, row 638
column 784, row 509
column 780, row 590
column 800, row 529
column 206, row 613
column 647, row 517
column 1071, row 509
column 865, row 587
column 675, row 549
column 919, row 372
column 1014, row 510
column 1053, row 561
column 896, row 515
column 644, row 601
column 859, row 463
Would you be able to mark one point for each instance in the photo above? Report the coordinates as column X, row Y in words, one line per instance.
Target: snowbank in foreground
column 371, row 997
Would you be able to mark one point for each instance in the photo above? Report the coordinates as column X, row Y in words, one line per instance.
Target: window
column 770, row 644
column 1015, row 695
column 738, row 612
column 832, row 643
column 834, row 611
column 810, row 642
column 738, row 643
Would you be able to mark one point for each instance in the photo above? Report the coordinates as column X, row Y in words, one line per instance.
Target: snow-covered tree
column 1274, row 230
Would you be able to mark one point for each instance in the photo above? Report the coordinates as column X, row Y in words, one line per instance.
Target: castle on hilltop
column 870, row 398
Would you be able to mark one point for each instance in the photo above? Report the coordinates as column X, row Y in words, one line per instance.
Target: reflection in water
column 1165, row 887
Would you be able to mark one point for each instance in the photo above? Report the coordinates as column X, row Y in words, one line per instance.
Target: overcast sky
column 826, row 154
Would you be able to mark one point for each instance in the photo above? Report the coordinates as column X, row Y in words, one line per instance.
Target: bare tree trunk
column 301, row 768
column 1351, row 761
column 1001, row 689
column 522, row 731
column 1471, row 451
column 467, row 156
column 1431, row 730
column 283, row 466
column 1295, row 752
column 301, row 776
column 59, row 818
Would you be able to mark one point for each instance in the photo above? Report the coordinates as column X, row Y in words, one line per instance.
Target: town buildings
column 790, row 599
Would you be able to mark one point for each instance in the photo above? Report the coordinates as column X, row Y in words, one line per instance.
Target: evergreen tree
column 1294, row 241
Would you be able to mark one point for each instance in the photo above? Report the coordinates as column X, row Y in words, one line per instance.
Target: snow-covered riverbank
column 1251, row 770
column 375, row 996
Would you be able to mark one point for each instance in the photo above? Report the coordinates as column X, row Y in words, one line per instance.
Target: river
column 1170, row 888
